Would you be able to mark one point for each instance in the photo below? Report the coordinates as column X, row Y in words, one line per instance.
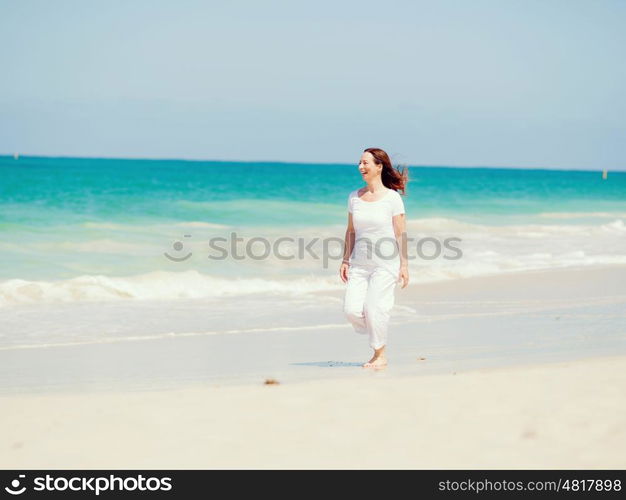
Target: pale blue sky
column 496, row 83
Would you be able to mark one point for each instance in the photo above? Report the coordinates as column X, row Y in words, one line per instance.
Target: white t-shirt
column 375, row 243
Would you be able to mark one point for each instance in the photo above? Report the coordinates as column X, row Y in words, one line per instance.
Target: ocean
column 106, row 224
column 136, row 234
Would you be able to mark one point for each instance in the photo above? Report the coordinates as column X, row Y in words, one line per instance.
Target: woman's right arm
column 347, row 249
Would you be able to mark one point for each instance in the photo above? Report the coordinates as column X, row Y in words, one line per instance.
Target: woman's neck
column 376, row 186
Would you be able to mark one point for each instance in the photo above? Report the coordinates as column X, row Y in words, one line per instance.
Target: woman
column 372, row 264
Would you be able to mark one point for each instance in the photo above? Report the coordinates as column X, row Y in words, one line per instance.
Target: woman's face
column 369, row 170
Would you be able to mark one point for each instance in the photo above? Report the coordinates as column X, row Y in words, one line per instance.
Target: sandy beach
column 562, row 415
column 520, row 371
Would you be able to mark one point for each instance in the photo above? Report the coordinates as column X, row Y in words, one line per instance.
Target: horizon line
column 398, row 164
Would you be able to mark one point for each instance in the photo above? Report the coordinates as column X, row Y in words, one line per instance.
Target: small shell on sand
column 271, row 381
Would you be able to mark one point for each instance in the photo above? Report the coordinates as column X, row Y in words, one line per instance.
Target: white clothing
column 368, row 301
column 375, row 240
column 374, row 265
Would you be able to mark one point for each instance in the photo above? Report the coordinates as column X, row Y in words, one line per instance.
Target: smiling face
column 368, row 168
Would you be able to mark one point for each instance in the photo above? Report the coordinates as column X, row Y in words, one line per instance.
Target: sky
column 529, row 83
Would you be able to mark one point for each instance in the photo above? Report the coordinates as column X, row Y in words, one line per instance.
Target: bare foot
column 377, row 361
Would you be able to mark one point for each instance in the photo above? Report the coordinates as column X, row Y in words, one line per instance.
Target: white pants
column 368, row 301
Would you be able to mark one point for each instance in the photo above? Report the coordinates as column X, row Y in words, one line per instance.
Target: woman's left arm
column 399, row 228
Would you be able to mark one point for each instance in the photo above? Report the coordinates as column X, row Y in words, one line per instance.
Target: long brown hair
column 392, row 178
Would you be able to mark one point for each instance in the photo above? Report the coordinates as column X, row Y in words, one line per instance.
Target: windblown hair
column 393, row 178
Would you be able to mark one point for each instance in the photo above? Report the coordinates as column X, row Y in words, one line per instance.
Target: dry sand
column 559, row 415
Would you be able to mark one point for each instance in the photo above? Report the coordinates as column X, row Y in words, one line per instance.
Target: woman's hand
column 404, row 275
column 343, row 272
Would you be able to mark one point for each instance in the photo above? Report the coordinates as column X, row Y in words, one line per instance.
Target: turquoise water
column 109, row 222
column 43, row 192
